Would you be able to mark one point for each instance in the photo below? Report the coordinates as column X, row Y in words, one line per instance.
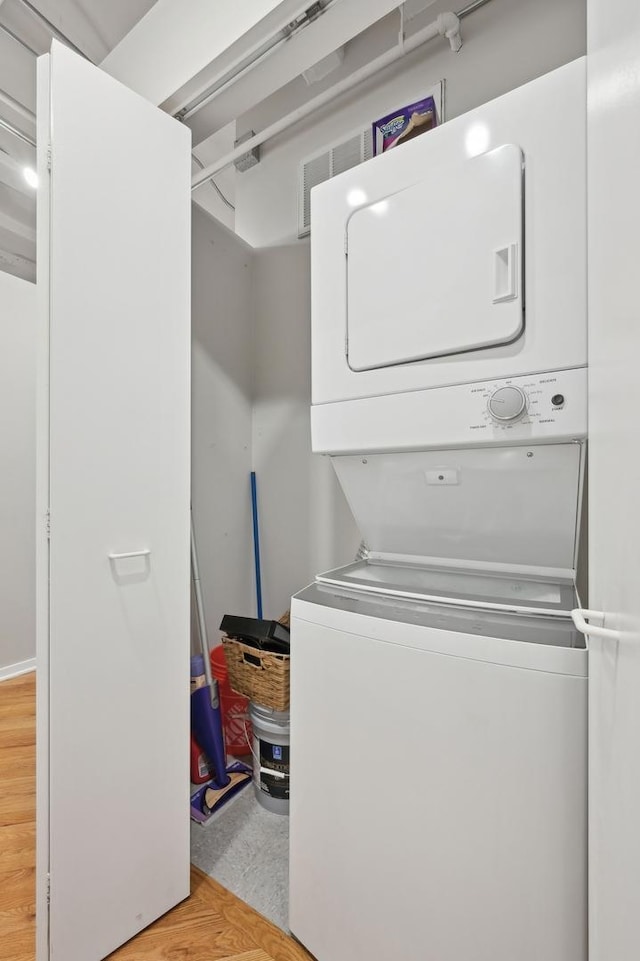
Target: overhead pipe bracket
column 449, row 28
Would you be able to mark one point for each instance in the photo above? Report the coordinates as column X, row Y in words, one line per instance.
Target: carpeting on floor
column 246, row 849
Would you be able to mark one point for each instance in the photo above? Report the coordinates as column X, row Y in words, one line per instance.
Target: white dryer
column 460, row 257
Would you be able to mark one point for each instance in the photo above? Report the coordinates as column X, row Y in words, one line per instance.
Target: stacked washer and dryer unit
column 439, row 688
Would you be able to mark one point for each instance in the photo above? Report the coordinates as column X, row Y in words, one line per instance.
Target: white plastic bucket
column 270, row 757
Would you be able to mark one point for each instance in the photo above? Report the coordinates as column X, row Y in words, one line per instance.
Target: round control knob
column 507, row 403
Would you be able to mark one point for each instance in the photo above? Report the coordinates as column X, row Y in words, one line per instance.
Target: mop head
column 209, row 798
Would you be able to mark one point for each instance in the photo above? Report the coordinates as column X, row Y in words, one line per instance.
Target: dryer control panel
column 536, row 400
column 543, row 408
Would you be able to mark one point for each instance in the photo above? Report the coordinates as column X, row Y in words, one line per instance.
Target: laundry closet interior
column 281, row 377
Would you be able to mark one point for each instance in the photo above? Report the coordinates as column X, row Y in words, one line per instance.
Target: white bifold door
column 113, row 511
column 614, row 479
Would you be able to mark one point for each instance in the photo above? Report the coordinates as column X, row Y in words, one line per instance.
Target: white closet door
column 436, row 269
column 113, row 645
column 614, row 478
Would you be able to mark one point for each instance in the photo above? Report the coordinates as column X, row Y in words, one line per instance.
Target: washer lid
column 530, row 642
column 437, row 268
column 493, row 508
column 464, row 588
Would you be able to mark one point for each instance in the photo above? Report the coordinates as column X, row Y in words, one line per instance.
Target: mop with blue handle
column 206, row 719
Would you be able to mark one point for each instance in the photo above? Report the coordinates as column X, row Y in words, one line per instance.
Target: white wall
column 221, row 425
column 251, row 395
column 305, row 524
column 506, row 43
column 17, row 474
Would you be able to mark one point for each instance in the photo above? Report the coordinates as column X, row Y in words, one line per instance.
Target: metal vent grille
column 326, row 164
column 314, row 172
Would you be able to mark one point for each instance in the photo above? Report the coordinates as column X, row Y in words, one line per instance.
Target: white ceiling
column 269, row 89
column 94, row 27
column 275, row 86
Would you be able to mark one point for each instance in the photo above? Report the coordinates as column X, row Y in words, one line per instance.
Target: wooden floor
column 211, row 925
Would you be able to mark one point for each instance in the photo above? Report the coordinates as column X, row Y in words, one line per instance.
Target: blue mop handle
column 206, row 725
column 256, row 543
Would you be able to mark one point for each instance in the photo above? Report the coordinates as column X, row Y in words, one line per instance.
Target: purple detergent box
column 404, row 124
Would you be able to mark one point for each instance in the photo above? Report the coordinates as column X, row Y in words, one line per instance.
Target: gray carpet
column 246, row 849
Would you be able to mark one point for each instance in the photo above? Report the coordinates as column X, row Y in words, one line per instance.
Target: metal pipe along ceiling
column 435, row 29
column 17, row 107
column 245, row 66
column 222, row 197
column 5, row 125
column 23, row 112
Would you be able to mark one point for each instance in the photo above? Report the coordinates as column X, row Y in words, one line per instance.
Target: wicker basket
column 261, row 676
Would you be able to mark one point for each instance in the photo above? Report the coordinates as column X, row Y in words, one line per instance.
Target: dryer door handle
column 579, row 615
column 505, row 278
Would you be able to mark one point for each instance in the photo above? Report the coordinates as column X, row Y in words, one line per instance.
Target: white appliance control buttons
column 507, row 403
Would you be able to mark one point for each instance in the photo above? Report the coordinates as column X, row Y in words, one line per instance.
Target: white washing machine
column 439, row 769
column 439, row 704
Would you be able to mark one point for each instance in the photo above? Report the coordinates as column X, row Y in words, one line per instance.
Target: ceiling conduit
column 446, row 25
column 23, row 112
column 270, row 46
column 5, row 125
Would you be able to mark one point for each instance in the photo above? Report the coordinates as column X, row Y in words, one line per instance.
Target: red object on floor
column 200, row 768
column 235, row 708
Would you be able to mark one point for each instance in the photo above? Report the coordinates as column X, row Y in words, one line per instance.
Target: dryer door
column 437, row 268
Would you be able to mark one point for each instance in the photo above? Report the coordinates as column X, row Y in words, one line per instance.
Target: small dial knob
column 507, row 403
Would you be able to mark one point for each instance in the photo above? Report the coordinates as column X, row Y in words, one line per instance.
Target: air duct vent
column 328, row 163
